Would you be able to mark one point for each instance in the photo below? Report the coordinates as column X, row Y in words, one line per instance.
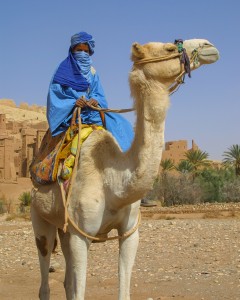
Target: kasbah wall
column 20, row 141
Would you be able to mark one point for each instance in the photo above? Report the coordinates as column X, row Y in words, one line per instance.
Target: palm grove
column 196, row 180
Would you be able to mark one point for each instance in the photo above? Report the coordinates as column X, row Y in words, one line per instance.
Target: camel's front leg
column 76, row 267
column 127, row 253
column 45, row 235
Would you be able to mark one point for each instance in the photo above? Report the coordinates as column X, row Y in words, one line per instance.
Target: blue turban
column 69, row 73
column 83, row 38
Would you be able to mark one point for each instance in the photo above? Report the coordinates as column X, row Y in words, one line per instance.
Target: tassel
column 184, row 58
column 65, row 227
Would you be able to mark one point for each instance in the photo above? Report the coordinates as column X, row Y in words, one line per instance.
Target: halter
column 173, row 87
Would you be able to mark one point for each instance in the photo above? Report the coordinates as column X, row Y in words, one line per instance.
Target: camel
column 109, row 183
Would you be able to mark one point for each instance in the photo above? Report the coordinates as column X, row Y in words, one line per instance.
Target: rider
column 75, row 82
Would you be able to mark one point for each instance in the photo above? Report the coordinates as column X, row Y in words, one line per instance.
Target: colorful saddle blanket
column 44, row 167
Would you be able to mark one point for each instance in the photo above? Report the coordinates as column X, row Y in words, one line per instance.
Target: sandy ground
column 188, row 252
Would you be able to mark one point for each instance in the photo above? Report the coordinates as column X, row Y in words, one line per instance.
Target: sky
column 35, row 38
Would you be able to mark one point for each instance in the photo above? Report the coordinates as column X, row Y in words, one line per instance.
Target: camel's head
column 161, row 61
column 207, row 53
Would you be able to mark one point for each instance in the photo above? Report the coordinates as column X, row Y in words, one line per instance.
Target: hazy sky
column 35, row 37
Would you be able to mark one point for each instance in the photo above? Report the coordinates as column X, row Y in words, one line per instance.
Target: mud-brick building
column 175, row 150
column 7, row 167
column 3, row 127
column 28, row 146
column 39, row 138
column 18, row 145
column 31, row 141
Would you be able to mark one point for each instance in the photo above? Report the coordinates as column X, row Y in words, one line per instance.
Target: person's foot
column 147, row 203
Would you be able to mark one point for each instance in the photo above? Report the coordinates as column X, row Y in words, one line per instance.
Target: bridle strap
column 156, row 59
column 179, row 79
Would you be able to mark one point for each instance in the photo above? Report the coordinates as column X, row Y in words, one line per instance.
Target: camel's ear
column 138, row 51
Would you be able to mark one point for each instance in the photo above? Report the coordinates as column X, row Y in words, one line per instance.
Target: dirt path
column 190, row 253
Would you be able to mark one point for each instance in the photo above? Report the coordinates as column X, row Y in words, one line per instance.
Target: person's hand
column 81, row 103
column 93, row 102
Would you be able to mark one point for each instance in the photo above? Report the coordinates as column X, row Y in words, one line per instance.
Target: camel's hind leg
column 45, row 235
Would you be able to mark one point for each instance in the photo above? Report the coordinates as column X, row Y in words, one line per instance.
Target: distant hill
column 24, row 112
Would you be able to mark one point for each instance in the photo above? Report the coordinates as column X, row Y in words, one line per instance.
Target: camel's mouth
column 208, row 55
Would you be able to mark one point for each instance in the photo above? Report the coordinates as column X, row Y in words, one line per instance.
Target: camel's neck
column 145, row 154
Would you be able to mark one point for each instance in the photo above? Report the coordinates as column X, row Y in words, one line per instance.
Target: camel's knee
column 41, row 243
column 43, row 247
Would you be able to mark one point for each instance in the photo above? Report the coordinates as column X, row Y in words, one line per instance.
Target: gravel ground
column 190, row 253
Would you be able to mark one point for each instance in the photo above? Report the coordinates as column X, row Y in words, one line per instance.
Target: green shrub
column 25, row 201
column 231, row 190
column 177, row 190
column 6, row 204
column 211, row 185
column 1, row 207
column 3, row 200
column 220, row 185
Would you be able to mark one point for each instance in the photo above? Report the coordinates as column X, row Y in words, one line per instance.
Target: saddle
column 44, row 167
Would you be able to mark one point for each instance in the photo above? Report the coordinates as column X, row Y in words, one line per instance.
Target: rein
column 125, row 110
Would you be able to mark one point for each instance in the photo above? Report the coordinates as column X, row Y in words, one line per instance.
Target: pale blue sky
column 35, row 38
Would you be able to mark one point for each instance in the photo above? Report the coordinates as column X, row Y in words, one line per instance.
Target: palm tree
column 198, row 159
column 232, row 157
column 167, row 165
column 184, row 167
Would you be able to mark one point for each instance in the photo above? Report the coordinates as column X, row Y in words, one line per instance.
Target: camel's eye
column 206, row 45
column 170, row 48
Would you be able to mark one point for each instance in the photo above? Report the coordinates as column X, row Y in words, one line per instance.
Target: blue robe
column 61, row 102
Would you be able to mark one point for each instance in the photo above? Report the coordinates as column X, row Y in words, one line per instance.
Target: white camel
column 109, row 183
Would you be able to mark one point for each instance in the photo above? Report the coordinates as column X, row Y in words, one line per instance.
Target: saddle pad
column 44, row 166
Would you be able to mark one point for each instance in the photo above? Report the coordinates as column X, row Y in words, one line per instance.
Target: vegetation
column 232, row 158
column 185, row 167
column 9, row 206
column 167, row 165
column 194, row 179
column 6, row 205
column 25, row 201
column 198, row 160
